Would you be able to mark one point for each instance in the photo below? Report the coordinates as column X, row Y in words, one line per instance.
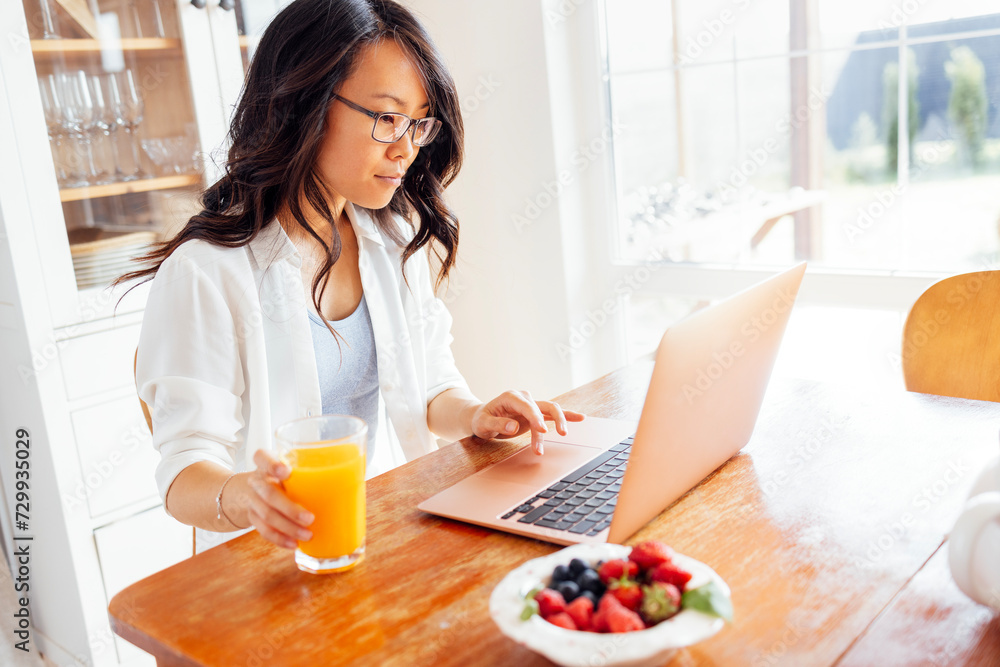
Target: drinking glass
column 128, row 109
column 78, row 120
column 107, row 126
column 48, row 24
column 326, row 455
column 157, row 154
column 53, row 123
column 158, row 19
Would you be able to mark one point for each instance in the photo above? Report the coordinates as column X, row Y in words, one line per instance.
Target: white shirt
column 226, row 356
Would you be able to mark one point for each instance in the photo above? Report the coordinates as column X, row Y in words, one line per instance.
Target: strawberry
column 563, row 620
column 660, row 601
column 670, row 573
column 621, row 619
column 614, row 569
column 604, row 607
column 581, row 610
column 627, row 592
column 650, row 554
column 550, row 602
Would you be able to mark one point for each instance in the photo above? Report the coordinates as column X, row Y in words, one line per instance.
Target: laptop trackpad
column 526, row 467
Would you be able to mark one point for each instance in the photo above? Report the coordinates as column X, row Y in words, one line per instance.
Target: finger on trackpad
column 526, row 467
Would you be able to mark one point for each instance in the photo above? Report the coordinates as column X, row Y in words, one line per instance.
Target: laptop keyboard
column 582, row 501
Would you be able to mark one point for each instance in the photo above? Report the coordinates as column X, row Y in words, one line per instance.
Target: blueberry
column 588, row 580
column 570, row 591
column 561, row 573
column 576, row 566
column 590, row 596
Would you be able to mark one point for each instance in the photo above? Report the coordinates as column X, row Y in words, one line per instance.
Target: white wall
column 530, row 264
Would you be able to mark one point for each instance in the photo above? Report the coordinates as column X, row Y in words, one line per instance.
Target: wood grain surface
column 931, row 622
column 818, row 525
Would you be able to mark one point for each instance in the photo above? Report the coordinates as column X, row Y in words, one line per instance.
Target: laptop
column 606, row 478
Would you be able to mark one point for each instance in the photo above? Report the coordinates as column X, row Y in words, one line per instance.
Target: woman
column 347, row 132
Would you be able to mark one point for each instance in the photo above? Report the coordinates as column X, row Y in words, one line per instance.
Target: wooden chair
column 951, row 340
column 145, row 408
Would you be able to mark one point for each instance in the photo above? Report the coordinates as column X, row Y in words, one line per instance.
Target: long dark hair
column 305, row 54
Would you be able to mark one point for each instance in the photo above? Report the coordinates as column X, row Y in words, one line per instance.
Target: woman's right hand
column 271, row 512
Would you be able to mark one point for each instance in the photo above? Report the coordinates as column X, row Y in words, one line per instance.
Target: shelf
column 144, row 45
column 125, row 187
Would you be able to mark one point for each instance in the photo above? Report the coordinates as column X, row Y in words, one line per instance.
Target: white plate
column 574, row 648
column 111, row 255
column 108, row 261
column 108, row 272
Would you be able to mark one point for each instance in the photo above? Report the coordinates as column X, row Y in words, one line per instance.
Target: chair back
column 951, row 339
column 145, row 408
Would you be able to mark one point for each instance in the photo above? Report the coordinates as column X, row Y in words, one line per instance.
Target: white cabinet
column 82, row 184
column 133, row 548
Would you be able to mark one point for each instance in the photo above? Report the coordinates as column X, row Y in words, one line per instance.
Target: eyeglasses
column 390, row 127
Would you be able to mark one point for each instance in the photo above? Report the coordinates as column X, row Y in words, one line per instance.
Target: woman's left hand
column 513, row 412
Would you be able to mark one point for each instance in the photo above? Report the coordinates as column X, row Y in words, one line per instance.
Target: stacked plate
column 101, row 256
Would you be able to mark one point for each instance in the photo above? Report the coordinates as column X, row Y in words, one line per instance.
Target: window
column 754, row 133
column 768, row 131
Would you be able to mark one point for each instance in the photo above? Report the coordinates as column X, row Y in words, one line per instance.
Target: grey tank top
column 348, row 387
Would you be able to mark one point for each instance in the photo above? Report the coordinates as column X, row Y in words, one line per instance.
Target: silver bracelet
column 220, row 514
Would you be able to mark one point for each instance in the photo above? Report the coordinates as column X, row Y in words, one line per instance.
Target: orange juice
column 330, row 482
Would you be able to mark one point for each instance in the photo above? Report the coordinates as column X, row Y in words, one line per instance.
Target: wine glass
column 128, row 108
column 53, row 124
column 78, row 119
column 105, row 126
column 48, row 23
column 158, row 19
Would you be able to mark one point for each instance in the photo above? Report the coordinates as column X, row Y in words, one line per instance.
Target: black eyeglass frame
column 412, row 125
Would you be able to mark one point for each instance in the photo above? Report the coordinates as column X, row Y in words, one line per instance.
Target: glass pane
column 715, row 30
column 706, row 30
column 640, row 34
column 710, row 128
column 861, row 226
column 943, row 17
column 765, row 122
column 954, row 190
column 849, row 23
column 645, row 111
column 760, row 27
column 119, row 111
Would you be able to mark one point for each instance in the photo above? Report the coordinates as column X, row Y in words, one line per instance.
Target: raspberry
column 550, row 602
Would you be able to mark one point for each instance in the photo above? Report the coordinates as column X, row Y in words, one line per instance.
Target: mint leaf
column 709, row 599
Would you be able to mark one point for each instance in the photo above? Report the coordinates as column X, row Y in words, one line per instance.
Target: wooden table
column 829, row 527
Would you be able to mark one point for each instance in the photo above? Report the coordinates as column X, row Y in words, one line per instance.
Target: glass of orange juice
column 327, row 457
